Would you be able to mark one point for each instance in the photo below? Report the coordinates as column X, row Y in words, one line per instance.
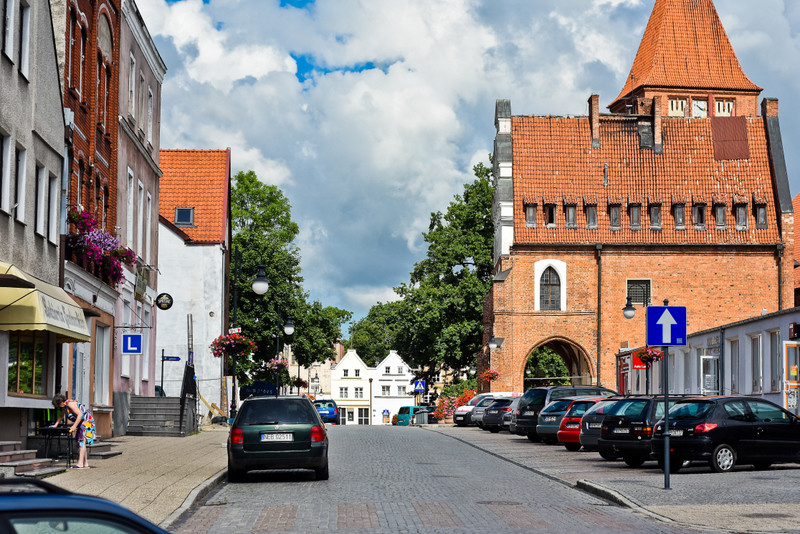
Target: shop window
column 27, row 356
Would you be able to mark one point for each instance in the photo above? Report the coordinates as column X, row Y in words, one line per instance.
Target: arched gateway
column 576, row 359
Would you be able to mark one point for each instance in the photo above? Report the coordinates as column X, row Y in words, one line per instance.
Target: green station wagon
column 277, row 433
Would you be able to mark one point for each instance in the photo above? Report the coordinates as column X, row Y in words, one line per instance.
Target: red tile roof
column 685, row 45
column 553, row 161
column 198, row 179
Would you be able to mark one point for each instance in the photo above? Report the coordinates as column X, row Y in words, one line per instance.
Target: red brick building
column 680, row 193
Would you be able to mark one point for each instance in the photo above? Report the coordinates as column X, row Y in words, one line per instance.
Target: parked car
column 550, row 418
column 591, row 423
column 627, row 428
column 493, row 416
column 480, row 409
column 283, row 432
column 507, row 417
column 463, row 414
column 570, row 427
column 726, row 431
column 327, row 410
column 526, row 416
column 405, row 415
column 32, row 505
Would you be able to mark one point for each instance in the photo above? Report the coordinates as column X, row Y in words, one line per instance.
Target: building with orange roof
column 193, row 257
column 680, row 193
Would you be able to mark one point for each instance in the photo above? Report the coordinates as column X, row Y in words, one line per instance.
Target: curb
column 194, row 496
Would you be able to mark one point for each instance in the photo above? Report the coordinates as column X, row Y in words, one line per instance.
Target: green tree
column 264, row 233
column 546, row 365
column 374, row 335
column 440, row 319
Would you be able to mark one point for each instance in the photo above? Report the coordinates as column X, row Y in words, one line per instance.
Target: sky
column 370, row 114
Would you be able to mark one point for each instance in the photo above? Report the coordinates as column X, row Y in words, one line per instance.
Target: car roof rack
column 21, row 482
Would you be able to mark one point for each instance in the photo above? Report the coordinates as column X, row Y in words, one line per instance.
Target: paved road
column 407, row 479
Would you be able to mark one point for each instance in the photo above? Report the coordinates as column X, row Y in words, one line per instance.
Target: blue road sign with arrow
column 666, row 326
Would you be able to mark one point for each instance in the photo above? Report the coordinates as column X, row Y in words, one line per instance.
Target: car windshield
column 277, row 411
column 557, row 406
column 600, row 408
column 690, row 410
column 534, row 396
column 579, row 408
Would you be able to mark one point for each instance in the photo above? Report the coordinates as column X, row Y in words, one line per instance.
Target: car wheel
column 607, row 456
column 494, row 429
column 633, row 460
column 322, row 473
column 762, row 464
column 572, row 447
column 234, row 474
column 723, row 459
column 534, row 437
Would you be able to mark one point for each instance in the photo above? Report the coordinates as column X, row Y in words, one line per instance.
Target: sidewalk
column 154, row 476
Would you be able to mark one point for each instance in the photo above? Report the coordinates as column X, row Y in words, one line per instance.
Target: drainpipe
column 721, row 361
column 599, row 248
column 780, row 276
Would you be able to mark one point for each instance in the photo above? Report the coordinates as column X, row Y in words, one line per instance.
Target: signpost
column 166, row 359
column 666, row 326
column 419, row 385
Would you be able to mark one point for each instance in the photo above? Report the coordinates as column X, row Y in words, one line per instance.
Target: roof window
column 184, row 216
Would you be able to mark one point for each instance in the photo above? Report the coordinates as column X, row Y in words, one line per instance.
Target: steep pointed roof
column 685, row 45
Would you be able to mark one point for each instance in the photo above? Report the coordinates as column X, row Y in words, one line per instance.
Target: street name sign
column 172, row 358
column 131, row 343
column 666, row 326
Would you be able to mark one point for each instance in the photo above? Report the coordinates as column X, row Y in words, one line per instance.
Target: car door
column 776, row 431
column 737, row 428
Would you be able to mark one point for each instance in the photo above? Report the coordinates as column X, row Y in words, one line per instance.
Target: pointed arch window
column 550, row 290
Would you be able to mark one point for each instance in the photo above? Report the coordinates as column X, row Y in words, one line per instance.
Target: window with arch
column 550, row 290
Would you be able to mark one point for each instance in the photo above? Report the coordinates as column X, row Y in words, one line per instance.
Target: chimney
column 769, row 107
column 658, row 148
column 594, row 120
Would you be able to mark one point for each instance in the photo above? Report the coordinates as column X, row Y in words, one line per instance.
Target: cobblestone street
column 406, row 479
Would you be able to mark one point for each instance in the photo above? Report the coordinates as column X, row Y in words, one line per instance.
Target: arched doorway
column 574, row 366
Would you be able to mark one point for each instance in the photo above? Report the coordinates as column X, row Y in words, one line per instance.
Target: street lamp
column 288, row 329
column 315, row 383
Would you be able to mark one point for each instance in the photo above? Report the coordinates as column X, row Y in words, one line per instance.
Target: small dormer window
column 569, row 214
column 723, row 107
column 677, row 107
column 615, row 216
column 679, row 213
column 550, row 215
column 655, row 216
column 591, row 217
column 699, row 216
column 761, row 216
column 635, row 211
column 741, row 216
column 719, row 215
column 184, row 216
column 530, row 215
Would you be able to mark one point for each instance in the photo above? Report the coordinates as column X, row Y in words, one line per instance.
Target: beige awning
column 27, row 303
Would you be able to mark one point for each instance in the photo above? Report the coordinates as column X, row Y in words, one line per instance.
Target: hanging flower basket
column 648, row 355
column 278, row 364
column 490, row 375
column 232, row 344
column 94, row 249
column 299, row 383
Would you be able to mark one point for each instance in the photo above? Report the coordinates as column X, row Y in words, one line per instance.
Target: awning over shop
column 27, row 303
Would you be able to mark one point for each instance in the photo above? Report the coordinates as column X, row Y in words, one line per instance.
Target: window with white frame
column 734, row 366
column 723, row 107
column 20, row 186
column 401, row 390
column 677, row 107
column 8, row 28
column 81, row 62
column 40, row 207
column 350, row 414
column 132, row 87
column 363, row 416
column 549, row 290
column 184, row 216
column 140, row 219
column 687, row 372
column 68, row 63
column 5, row 173
column 358, row 393
column 356, row 372
column 345, row 373
column 386, row 391
column 131, row 202
column 387, row 370
column 79, row 198
column 53, row 199
column 148, row 222
column 775, row 365
column 755, row 363
column 24, row 38
column 342, row 393
column 400, row 370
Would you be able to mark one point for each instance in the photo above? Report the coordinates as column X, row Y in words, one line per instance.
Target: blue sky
column 370, row 114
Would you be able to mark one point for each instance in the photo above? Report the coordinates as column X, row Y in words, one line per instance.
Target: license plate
column 277, row 437
column 593, row 425
column 572, row 425
column 492, row 411
column 620, row 430
column 459, row 417
column 549, row 419
column 529, row 413
column 676, row 433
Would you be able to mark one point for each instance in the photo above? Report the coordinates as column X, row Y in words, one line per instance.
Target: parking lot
column 744, row 500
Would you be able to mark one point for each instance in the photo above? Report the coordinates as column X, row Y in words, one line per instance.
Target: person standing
column 82, row 425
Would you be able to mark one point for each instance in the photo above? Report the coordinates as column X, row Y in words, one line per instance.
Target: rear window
column 277, row 411
column 600, row 407
column 486, row 402
column 324, row 404
column 579, row 408
column 404, row 410
column 633, row 408
column 501, row 402
column 533, row 396
column 557, row 406
column 561, row 393
column 691, row 410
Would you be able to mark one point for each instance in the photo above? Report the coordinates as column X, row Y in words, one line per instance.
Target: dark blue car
column 328, row 411
column 30, row 505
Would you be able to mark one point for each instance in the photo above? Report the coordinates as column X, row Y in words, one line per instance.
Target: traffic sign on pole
column 131, row 343
column 419, row 385
column 666, row 326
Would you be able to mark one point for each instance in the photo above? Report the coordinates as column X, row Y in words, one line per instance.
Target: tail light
column 336, row 411
column 704, row 427
column 317, row 434
column 237, row 436
column 646, row 431
column 505, row 409
column 519, row 412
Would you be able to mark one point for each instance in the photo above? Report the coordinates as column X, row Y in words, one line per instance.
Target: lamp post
column 288, row 329
column 629, row 312
column 315, row 384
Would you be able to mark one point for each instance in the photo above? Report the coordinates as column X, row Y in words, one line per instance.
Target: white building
column 371, row 395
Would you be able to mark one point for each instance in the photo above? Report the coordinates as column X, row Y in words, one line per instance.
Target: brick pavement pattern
column 407, row 479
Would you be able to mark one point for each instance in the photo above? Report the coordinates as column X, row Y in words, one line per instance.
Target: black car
column 627, row 428
column 591, row 422
column 526, row 416
column 730, row 430
column 493, row 415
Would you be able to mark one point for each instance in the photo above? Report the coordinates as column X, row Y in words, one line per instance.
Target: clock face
column 699, row 108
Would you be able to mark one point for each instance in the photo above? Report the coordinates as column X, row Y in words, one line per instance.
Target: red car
column 570, row 430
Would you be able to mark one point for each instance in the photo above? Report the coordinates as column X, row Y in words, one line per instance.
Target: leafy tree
column 374, row 335
column 544, row 362
column 440, row 319
column 264, row 233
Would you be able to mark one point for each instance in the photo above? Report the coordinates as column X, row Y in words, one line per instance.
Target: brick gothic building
column 680, row 193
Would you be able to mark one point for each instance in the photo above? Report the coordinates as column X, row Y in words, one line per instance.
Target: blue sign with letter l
column 666, row 326
column 131, row 343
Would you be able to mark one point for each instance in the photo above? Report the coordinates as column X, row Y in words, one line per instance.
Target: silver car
column 480, row 409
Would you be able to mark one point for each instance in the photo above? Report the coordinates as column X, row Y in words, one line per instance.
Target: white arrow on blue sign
column 131, row 343
column 419, row 385
column 666, row 326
